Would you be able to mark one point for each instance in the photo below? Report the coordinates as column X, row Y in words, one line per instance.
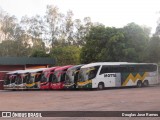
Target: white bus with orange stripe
column 117, row 74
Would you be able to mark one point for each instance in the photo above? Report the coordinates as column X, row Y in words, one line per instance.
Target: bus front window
column 63, row 74
column 69, row 76
column 24, row 78
column 30, row 79
column 88, row 73
column 83, row 76
column 37, row 77
column 13, row 78
column 56, row 76
column 18, row 80
column 7, row 80
column 44, row 77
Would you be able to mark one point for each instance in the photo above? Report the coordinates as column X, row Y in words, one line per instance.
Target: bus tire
column 101, row 86
column 139, row 84
column 146, row 83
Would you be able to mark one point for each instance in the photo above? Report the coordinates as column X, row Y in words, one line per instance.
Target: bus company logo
column 109, row 75
column 20, row 114
column 6, row 114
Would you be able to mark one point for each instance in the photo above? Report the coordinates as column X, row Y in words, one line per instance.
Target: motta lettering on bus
column 109, row 75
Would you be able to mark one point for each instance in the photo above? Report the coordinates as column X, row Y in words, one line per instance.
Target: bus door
column 108, row 76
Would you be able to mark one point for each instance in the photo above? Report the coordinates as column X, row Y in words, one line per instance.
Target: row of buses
column 94, row 75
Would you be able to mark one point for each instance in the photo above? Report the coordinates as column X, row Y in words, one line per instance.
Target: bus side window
column 154, row 68
column 110, row 69
column 131, row 69
column 104, row 69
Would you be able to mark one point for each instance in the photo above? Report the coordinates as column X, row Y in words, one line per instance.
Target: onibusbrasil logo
column 21, row 114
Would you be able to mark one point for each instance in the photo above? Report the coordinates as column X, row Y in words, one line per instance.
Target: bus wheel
column 139, row 84
column 145, row 83
column 100, row 86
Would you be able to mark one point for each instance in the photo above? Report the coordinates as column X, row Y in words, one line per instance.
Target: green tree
column 34, row 28
column 153, row 49
column 8, row 23
column 82, row 28
column 103, row 44
column 136, row 40
column 53, row 19
column 116, row 44
column 68, row 29
column 13, row 41
column 157, row 32
column 39, row 53
column 21, row 45
column 91, row 50
column 65, row 55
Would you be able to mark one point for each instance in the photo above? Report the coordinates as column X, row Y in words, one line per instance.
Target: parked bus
column 46, row 78
column 9, row 82
column 33, row 78
column 59, row 77
column 117, row 74
column 71, row 78
column 20, row 81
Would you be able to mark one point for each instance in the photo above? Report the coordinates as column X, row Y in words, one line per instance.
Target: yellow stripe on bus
column 30, row 85
column 85, row 82
column 135, row 78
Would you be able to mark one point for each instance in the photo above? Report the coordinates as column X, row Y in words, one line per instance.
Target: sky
column 116, row 13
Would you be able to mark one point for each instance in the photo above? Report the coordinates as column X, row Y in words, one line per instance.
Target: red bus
column 46, row 78
column 58, row 77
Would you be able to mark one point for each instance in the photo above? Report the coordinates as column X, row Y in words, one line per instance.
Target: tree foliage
column 65, row 55
column 136, row 39
column 39, row 53
column 115, row 44
column 71, row 41
column 153, row 49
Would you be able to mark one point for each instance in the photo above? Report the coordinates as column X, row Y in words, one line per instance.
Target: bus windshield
column 88, row 73
column 57, row 76
column 30, row 78
column 69, row 76
column 7, row 80
column 13, row 78
column 24, row 77
column 18, row 80
column 44, row 77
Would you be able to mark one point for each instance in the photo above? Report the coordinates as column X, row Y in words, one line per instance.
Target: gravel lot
column 122, row 99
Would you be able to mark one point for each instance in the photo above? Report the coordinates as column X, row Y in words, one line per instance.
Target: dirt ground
column 122, row 99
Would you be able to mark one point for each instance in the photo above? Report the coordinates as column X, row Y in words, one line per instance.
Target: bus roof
column 37, row 70
column 63, row 67
column 26, row 71
column 13, row 72
column 114, row 63
column 75, row 67
column 50, row 69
